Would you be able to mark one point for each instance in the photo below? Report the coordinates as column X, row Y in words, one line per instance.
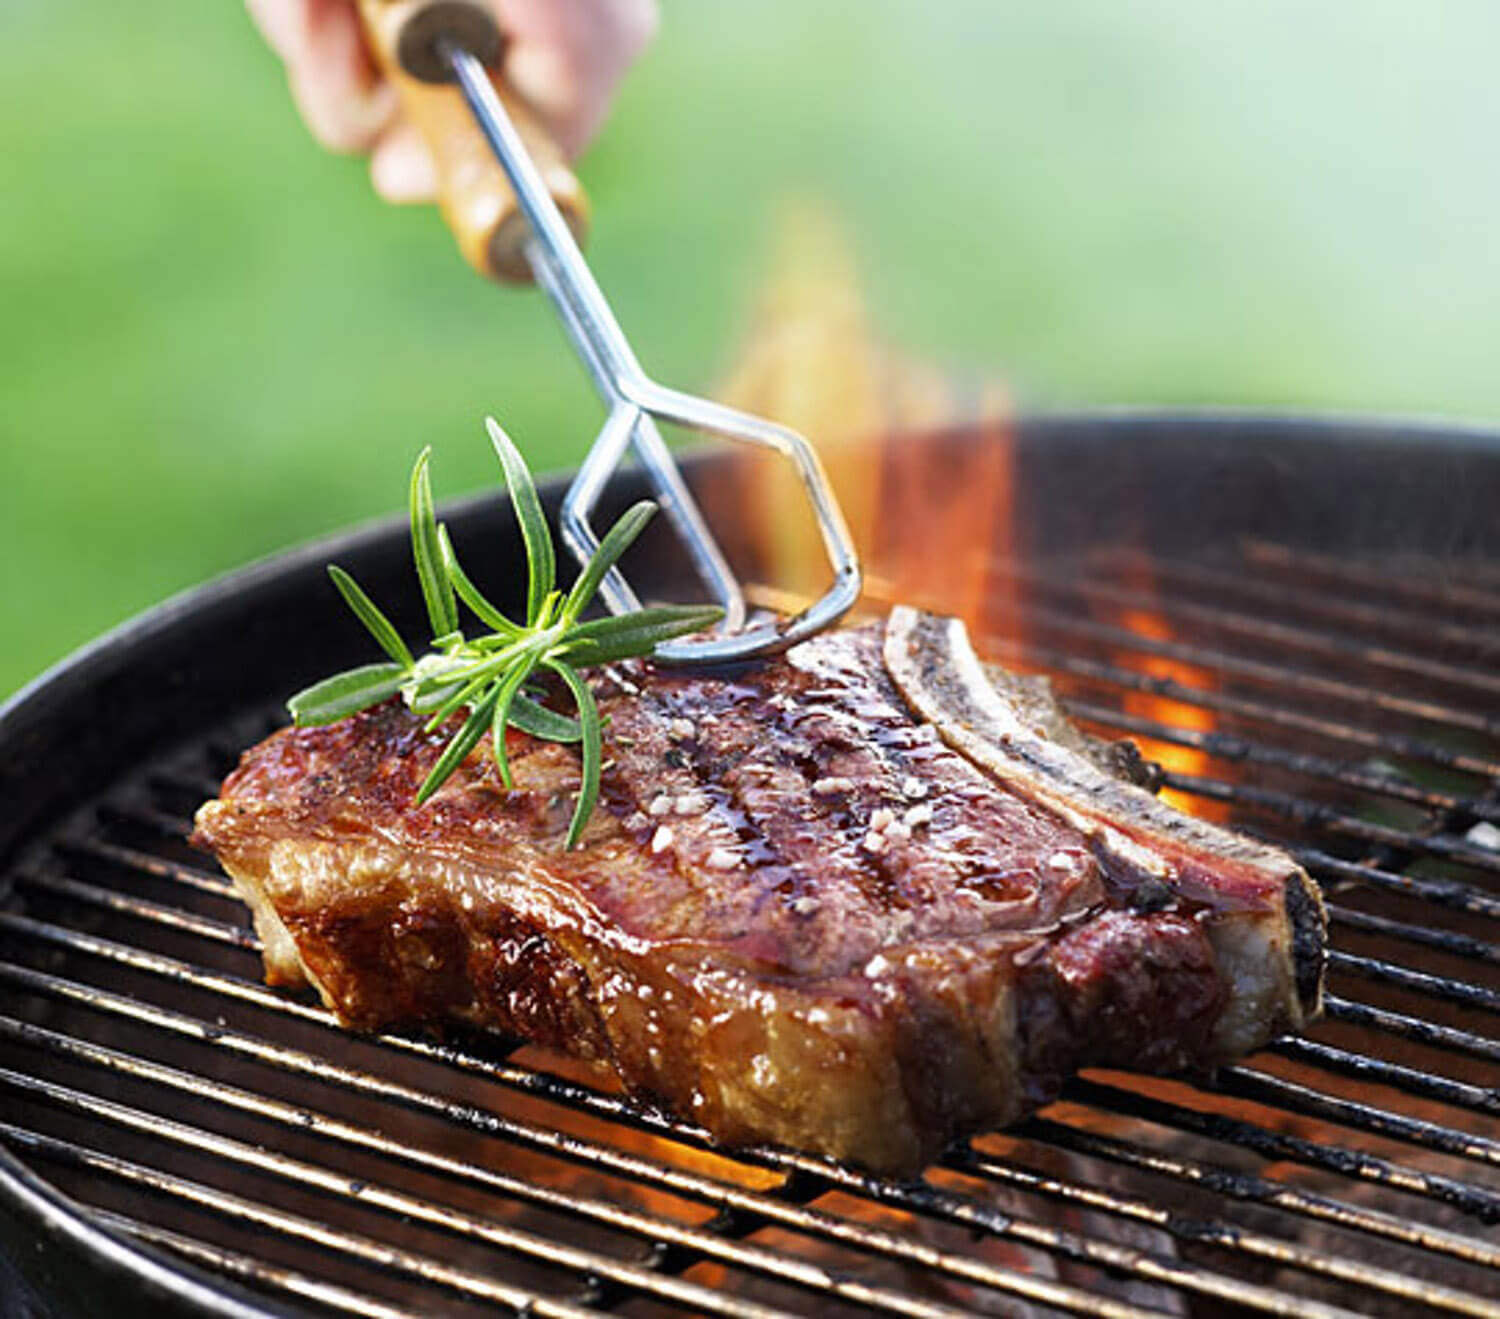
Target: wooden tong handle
column 475, row 198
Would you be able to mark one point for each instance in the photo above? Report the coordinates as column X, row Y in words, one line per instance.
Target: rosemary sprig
column 494, row 674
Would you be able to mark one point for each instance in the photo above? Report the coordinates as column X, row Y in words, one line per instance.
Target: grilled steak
column 859, row 900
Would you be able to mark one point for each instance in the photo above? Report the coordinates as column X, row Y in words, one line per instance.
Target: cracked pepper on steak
column 860, row 900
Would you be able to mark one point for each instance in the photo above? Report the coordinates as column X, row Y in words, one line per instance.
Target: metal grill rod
column 1448, row 892
column 1420, row 628
column 1443, row 593
column 651, row 1228
column 549, row 1141
column 1446, row 941
column 1416, row 1029
column 233, row 933
column 1282, row 680
column 347, row 1244
column 1236, row 749
column 246, row 1268
column 147, row 863
column 1302, row 811
column 1258, row 1190
column 1283, row 637
column 125, row 904
column 1396, row 745
column 164, row 822
column 615, row 1108
column 1481, row 1202
column 1271, row 1249
column 1451, row 991
column 489, row 1231
column 1089, row 1250
column 1383, row 1071
column 1278, row 1092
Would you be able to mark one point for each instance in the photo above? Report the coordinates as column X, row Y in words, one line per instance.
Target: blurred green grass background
column 214, row 342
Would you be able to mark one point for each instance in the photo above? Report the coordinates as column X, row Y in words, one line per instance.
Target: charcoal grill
column 1299, row 619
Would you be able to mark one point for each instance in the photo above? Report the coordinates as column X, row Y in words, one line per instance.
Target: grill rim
column 47, row 1230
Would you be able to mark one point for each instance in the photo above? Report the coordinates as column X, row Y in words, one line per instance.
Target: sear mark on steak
column 861, row 899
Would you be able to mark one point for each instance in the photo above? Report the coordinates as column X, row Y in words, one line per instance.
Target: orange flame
column 935, row 523
column 1179, row 714
column 812, row 363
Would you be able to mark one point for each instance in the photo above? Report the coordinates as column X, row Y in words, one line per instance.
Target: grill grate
column 1343, row 711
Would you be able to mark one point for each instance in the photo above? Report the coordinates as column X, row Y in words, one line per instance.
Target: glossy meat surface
column 805, row 911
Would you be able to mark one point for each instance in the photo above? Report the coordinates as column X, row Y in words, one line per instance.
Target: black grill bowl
column 1300, row 618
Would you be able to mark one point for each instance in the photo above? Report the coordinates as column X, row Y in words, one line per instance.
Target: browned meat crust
column 829, row 902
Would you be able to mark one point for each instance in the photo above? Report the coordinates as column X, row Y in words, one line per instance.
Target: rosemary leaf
column 424, row 700
column 346, row 693
column 604, row 640
column 379, row 626
column 469, row 593
column 523, row 497
column 463, row 696
column 618, row 539
column 588, row 718
column 459, row 746
column 508, row 689
column 432, row 569
column 539, row 721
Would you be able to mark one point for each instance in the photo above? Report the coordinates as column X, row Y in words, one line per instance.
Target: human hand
column 565, row 58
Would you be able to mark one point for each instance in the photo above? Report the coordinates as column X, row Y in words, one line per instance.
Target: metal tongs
column 457, row 41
